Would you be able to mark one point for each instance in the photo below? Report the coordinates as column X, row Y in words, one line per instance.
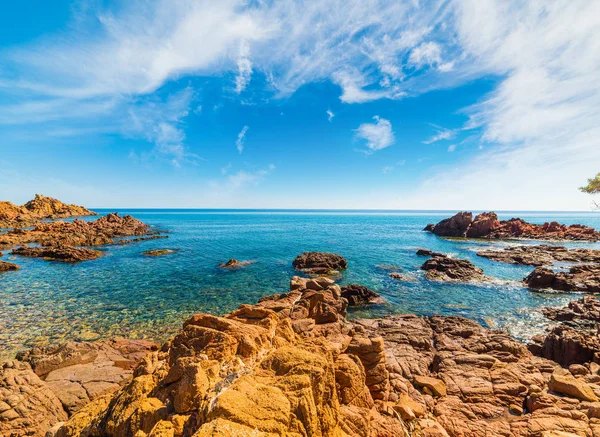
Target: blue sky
column 303, row 104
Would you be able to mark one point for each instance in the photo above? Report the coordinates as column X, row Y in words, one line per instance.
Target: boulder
column 566, row 384
column 583, row 278
column 455, row 226
column 319, row 262
column 444, row 268
column 357, row 295
column 6, row 266
column 482, row 225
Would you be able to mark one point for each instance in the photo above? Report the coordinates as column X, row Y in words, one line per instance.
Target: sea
column 126, row 293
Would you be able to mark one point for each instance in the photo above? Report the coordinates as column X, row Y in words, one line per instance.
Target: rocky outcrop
column 579, row 278
column 443, row 268
column 6, row 266
column 78, row 232
column 291, row 365
column 58, row 253
column 39, row 208
column 541, row 255
column 158, row 252
column 320, row 262
column 583, row 314
column 357, row 295
column 487, row 225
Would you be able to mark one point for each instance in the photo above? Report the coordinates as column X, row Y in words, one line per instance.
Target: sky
column 352, row 104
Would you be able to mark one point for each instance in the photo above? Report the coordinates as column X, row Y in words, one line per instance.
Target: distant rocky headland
column 487, row 225
column 37, row 209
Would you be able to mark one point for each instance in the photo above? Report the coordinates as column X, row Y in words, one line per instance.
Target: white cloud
column 241, row 138
column 378, row 135
column 442, row 134
column 451, row 147
column 243, row 178
column 387, row 169
column 330, row 115
column 244, row 65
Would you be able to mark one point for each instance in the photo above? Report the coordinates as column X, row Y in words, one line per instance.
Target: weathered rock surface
column 357, row 295
column 78, row 232
column 541, row 255
column 6, row 266
column 583, row 278
column 487, row 225
column 39, row 208
column 58, row 253
column 292, row 366
column 582, row 313
column 28, row 407
column 319, row 262
column 440, row 267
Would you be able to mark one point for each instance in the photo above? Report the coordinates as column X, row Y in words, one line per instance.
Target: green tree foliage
column 593, row 186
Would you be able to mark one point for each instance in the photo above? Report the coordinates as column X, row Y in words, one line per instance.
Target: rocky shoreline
column 293, row 365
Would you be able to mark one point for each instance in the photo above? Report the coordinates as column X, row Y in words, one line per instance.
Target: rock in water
column 357, row 295
column 158, row 252
column 541, row 255
column 234, row 263
column 59, row 253
column 6, row 266
column 443, row 268
column 319, row 262
column 487, row 225
column 580, row 278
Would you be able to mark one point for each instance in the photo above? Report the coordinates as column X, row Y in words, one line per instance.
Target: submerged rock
column 443, row 268
column 58, row 253
column 319, row 262
column 357, row 295
column 234, row 263
column 158, row 252
column 6, row 266
column 541, row 255
column 487, row 225
column 580, row 278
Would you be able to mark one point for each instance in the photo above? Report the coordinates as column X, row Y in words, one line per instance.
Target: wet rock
column 582, row 313
column 319, row 262
column 58, row 253
column 541, row 255
column 580, row 278
column 158, row 252
column 567, row 346
column 444, row 268
column 402, row 277
column 6, row 266
column 234, row 263
column 427, row 252
column 357, row 295
column 140, row 239
column 487, row 225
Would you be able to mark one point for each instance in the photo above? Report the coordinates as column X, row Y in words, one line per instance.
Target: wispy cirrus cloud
column 330, row 115
column 241, row 139
column 441, row 134
column 378, row 135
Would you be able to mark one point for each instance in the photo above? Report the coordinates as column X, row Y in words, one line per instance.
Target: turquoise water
column 129, row 294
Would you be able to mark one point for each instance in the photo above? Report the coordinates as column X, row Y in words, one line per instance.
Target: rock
column 567, row 346
column 541, row 255
column 58, row 253
column 482, row 225
column 319, row 262
column 487, row 225
column 427, row 252
column 27, row 406
column 158, row 252
column 583, row 314
column 409, row 409
column 402, row 277
column 41, row 207
column 6, row 266
column 567, row 385
column 357, row 295
column 82, row 372
column 443, row 268
column 436, row 386
column 140, row 239
column 583, row 278
column 234, row 263
column 455, row 226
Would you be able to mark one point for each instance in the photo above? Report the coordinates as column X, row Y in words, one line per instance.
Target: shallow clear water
column 129, row 294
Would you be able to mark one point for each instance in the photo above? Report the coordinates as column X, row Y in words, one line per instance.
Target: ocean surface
column 126, row 293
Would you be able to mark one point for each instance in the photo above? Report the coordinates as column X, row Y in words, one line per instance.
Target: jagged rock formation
column 39, row 208
column 440, row 267
column 583, row 278
column 292, row 366
column 44, row 386
column 77, row 233
column 541, row 255
column 320, row 263
column 487, row 225
column 234, row 264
